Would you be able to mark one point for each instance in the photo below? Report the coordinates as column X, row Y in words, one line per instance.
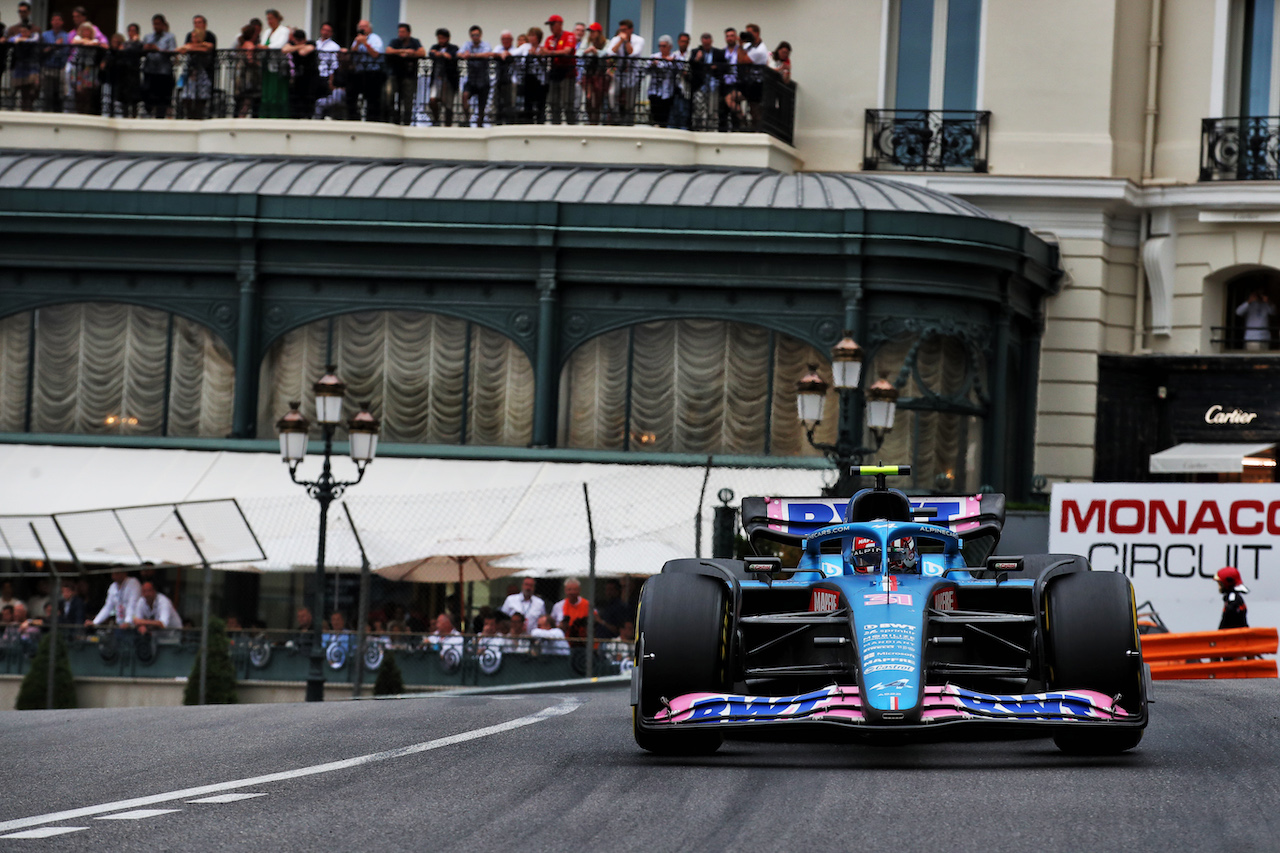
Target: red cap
column 596, row 28
column 1230, row 574
column 555, row 19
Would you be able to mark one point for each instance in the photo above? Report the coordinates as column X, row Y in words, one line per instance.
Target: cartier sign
column 1217, row 414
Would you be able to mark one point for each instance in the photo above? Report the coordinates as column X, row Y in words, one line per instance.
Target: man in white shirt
column 1257, row 312
column 525, row 603
column 328, row 51
column 550, row 639
column 121, row 596
column 153, row 611
column 629, row 48
column 444, row 634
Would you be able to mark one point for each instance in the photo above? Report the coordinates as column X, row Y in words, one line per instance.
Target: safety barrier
column 1233, row 653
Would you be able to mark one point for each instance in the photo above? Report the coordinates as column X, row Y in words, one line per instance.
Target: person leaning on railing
column 403, row 53
column 248, row 75
column 368, row 73
column 158, row 47
column 200, row 49
column 477, row 53
column 275, row 74
column 57, row 43
column 25, row 69
column 662, row 83
column 301, row 61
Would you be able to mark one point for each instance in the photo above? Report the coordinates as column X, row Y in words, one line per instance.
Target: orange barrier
column 1234, row 653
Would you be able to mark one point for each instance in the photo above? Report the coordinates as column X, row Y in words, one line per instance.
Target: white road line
column 566, row 707
column 137, row 814
column 226, row 798
column 45, row 832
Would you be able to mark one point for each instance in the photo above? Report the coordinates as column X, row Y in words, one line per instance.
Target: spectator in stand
column 662, row 83
column 550, row 639
column 153, row 611
column 628, row 48
column 7, row 598
column 24, row 18
column 561, row 47
column 628, row 632
column 781, row 61
column 158, row 47
column 570, row 613
column 80, row 17
column 534, row 77
column 72, row 604
column 524, row 602
column 302, row 624
column 612, row 611
column 754, row 29
column 55, row 60
column 6, row 614
column 507, row 74
column 338, row 635
column 593, row 56
column 403, row 54
column 488, row 637
column 36, row 603
column 476, row 52
column 516, row 634
column 368, row 76
column 121, row 596
column 275, row 71
column 444, row 77
column 199, row 49
column 25, row 70
column 444, row 635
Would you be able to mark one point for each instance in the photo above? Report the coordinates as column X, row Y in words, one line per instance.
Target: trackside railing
column 1233, row 653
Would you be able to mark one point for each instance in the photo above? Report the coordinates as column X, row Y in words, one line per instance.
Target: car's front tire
column 1093, row 644
column 682, row 647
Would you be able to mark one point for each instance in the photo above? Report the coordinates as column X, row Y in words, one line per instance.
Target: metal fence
column 926, row 140
column 419, row 92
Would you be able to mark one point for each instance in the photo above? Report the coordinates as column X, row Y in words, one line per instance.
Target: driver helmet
column 864, row 556
column 902, row 555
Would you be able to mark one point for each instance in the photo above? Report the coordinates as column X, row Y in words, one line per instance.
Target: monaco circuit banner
column 1170, row 538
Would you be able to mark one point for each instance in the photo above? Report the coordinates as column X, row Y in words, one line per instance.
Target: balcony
column 269, row 84
column 926, row 141
column 1240, row 149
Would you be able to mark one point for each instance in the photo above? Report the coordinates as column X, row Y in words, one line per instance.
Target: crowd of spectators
column 273, row 70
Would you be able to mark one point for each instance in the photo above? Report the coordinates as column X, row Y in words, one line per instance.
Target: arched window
column 688, row 386
column 431, row 379
column 109, row 368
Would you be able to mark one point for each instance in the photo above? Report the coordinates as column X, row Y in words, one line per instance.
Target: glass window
column 933, row 53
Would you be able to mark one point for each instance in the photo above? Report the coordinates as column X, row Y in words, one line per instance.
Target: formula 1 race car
column 896, row 624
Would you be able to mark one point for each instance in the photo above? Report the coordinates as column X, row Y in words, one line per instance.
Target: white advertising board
column 1170, row 538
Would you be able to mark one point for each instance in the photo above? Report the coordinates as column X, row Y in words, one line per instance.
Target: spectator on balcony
column 153, row 611
column 121, row 596
column 403, row 53
column 25, row 69
column 128, row 88
column 73, row 607
column 533, row 75
column 628, row 48
column 1257, row 312
column 524, row 602
column 368, row 74
column 85, row 69
column 705, row 62
column 781, row 61
column 328, row 51
column 443, row 83
column 200, row 49
column 682, row 105
column 754, row 29
column 251, row 30
column 593, row 55
column 561, row 47
column 24, row 17
column 52, row 88
column 570, row 613
column 158, row 47
column 80, row 17
column 506, row 75
column 550, row 639
column 301, row 60
column 730, row 81
column 248, row 74
column 751, row 76
column 662, row 83
column 275, row 71
column 475, row 91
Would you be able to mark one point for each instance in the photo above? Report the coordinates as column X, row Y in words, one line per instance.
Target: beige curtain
column 100, row 369
column 412, row 368
column 697, row 386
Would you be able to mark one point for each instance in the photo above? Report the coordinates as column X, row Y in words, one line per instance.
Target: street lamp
column 881, row 406
column 363, row 432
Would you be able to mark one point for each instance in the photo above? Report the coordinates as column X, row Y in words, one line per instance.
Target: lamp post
column 881, row 406
column 363, row 439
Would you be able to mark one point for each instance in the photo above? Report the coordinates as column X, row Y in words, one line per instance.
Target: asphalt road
column 505, row 773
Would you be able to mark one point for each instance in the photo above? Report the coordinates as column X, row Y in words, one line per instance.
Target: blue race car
column 895, row 624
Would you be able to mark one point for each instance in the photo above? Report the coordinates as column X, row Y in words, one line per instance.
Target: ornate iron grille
column 926, row 140
column 1245, row 148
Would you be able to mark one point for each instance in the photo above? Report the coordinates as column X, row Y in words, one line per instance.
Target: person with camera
column 1257, row 312
column 368, row 73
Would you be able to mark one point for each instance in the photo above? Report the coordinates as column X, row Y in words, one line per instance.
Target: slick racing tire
column 683, row 647
column 1092, row 636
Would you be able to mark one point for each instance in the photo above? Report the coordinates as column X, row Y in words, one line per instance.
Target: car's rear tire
column 682, row 647
column 1092, row 633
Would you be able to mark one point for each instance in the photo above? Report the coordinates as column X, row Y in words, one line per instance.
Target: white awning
column 1205, row 458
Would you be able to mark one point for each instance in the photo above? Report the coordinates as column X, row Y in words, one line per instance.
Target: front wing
column 842, row 705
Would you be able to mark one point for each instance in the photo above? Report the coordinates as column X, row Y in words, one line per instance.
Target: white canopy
column 404, row 508
column 1205, row 458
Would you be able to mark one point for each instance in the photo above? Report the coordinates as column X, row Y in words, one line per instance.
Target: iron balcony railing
column 926, row 140
column 1245, row 148
column 408, row 91
column 1232, row 338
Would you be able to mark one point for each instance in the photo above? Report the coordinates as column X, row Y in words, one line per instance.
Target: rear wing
column 789, row 520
